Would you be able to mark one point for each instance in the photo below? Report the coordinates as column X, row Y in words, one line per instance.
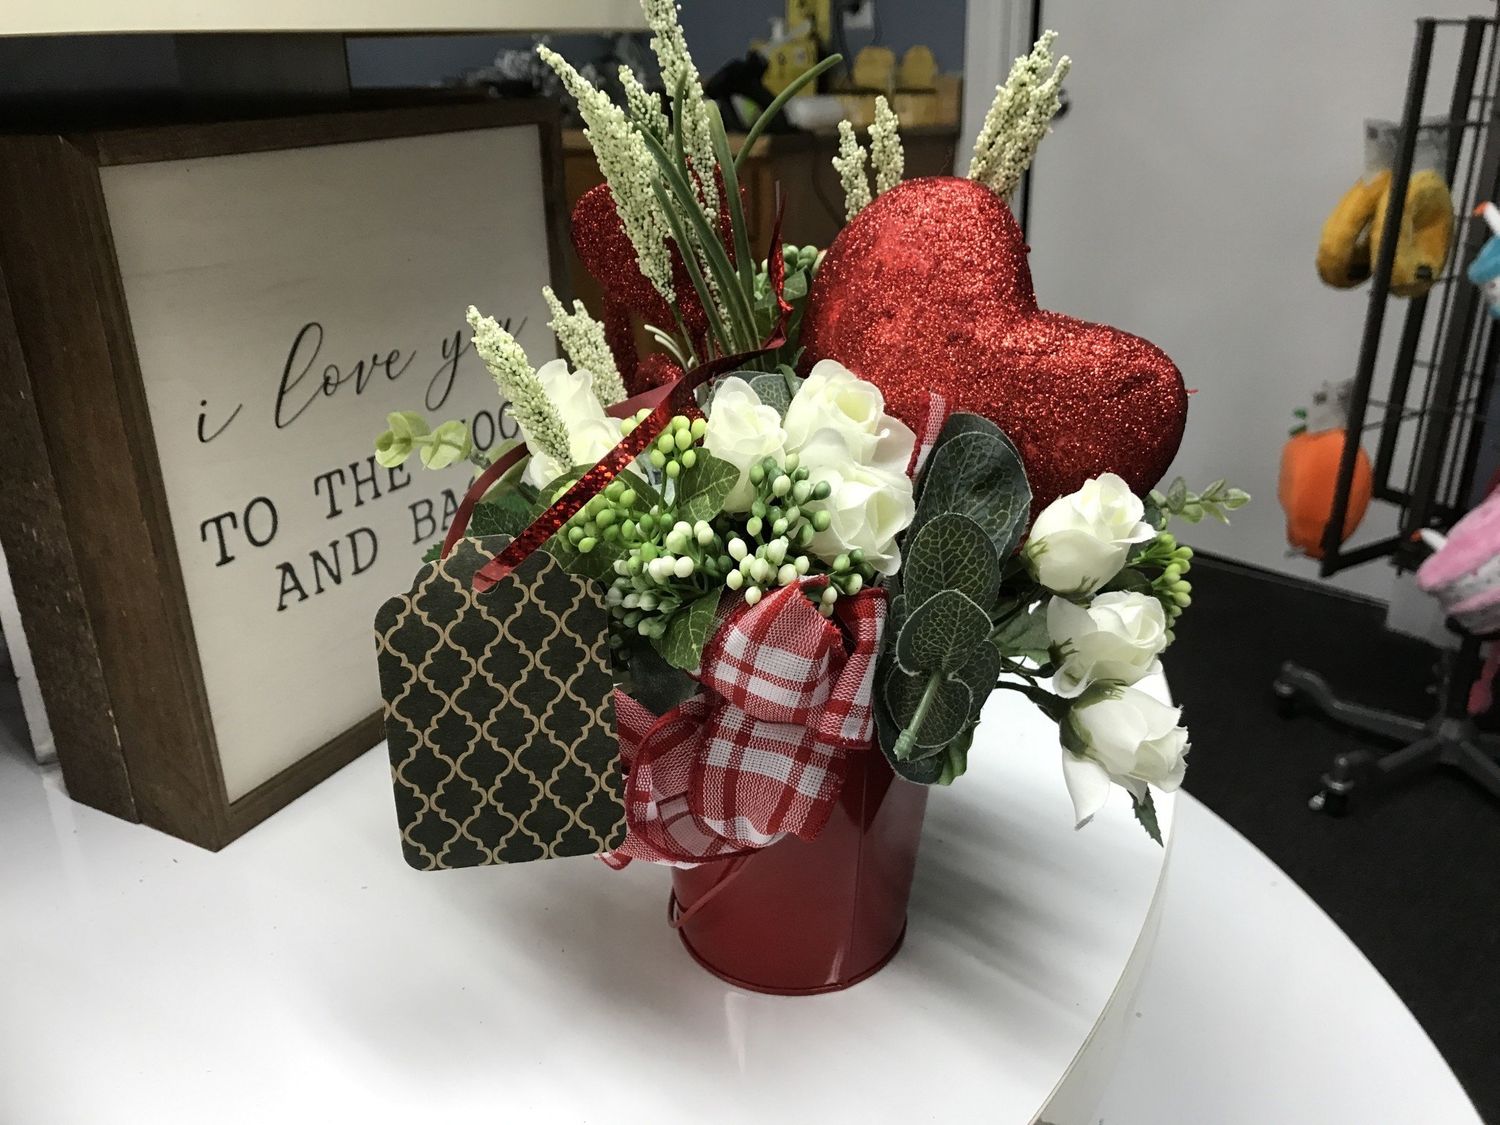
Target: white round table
column 305, row 974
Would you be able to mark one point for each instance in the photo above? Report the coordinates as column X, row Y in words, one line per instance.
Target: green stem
column 908, row 737
column 780, row 100
column 695, row 274
column 736, row 210
column 737, row 302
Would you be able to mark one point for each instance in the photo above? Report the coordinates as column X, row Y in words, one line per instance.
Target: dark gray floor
column 1413, row 875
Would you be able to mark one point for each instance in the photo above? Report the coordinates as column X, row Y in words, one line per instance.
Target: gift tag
column 499, row 711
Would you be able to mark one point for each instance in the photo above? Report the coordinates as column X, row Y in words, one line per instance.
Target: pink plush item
column 1479, row 614
column 1464, row 573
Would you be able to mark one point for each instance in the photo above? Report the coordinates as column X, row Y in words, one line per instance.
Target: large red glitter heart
column 929, row 288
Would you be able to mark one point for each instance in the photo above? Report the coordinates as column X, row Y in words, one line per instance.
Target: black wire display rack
column 1431, row 422
column 1430, row 419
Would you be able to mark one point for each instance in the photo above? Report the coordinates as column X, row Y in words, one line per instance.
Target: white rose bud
column 1117, row 637
column 1081, row 541
column 1121, row 735
column 834, row 399
column 867, row 507
column 744, row 432
column 591, row 434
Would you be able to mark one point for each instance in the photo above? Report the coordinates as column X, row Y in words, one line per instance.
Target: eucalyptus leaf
column 980, row 475
column 895, row 615
column 702, row 490
column 947, row 711
column 682, row 647
column 979, row 675
column 962, row 422
column 772, row 389
column 951, row 552
column 941, row 632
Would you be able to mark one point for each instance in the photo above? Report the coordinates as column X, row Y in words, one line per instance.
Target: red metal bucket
column 799, row 917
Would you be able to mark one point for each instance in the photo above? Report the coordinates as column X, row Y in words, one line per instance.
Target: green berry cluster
column 778, row 530
column 675, row 449
column 671, row 564
column 610, row 517
column 1173, row 561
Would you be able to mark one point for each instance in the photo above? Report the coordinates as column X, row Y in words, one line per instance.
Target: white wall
column 1182, row 197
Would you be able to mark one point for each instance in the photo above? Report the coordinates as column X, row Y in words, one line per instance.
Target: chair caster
column 1329, row 802
column 1286, row 699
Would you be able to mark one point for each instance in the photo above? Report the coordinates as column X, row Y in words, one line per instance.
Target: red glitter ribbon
column 669, row 400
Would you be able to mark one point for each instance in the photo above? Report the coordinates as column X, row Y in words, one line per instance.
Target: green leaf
column 1130, row 580
column 509, row 513
column 1025, row 635
column 947, row 711
column 955, row 758
column 702, row 490
column 941, row 632
column 980, row 475
column 1145, row 812
column 951, row 552
column 598, row 564
column 682, row 647
column 434, row 552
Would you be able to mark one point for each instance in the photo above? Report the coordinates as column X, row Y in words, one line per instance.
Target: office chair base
column 1444, row 740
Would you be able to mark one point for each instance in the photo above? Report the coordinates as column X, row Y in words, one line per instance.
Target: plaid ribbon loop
column 762, row 753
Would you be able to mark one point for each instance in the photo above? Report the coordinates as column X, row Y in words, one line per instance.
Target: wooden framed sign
column 202, row 329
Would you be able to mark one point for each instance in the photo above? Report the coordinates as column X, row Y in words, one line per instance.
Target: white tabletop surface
column 1255, row 1009
column 305, row 974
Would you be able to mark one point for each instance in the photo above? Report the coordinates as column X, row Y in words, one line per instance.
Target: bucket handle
column 677, row 917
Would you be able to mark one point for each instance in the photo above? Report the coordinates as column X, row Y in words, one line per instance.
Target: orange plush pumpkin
column 1309, row 474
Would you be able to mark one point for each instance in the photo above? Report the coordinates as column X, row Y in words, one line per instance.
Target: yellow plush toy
column 1344, row 248
column 1350, row 243
column 1424, row 237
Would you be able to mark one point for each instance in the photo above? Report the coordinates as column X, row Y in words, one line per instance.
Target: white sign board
column 282, row 304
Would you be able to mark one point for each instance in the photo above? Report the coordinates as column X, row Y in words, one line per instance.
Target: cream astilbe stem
column 1018, row 118
column 886, row 154
column 644, row 106
column 679, row 73
column 628, row 169
column 512, row 371
column 850, row 165
column 582, row 338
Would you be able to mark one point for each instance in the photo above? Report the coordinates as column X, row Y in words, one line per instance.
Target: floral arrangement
column 784, row 478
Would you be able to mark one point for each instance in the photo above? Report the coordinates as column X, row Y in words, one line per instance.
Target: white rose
column 1122, row 735
column 867, row 508
column 1081, row 541
column 1117, row 637
column 833, row 398
column 743, row 431
column 591, row 432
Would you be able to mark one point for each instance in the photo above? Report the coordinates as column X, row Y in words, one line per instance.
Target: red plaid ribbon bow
column 763, row 751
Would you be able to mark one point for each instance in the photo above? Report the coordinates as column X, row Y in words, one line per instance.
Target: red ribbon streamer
column 673, row 399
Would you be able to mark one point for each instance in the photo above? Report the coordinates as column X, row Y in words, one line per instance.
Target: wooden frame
column 83, row 510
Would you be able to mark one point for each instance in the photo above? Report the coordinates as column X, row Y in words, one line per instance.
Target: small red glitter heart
column 929, row 288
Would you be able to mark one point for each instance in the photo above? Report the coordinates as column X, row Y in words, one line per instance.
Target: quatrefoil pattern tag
column 499, row 713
